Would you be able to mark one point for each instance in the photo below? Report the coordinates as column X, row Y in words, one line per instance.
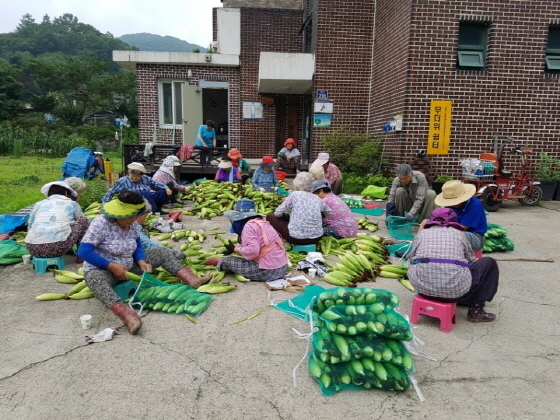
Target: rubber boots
column 478, row 314
column 128, row 316
column 186, row 275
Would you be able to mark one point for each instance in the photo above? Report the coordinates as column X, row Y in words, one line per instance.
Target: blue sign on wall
column 322, row 93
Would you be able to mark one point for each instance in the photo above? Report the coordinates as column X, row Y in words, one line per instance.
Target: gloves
column 261, row 189
column 179, row 255
column 229, row 248
column 408, row 216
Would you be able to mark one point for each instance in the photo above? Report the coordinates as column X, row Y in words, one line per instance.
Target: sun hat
column 224, row 164
column 176, row 161
column 135, row 166
column 45, row 188
column 267, row 161
column 322, row 158
column 320, row 184
column 234, row 154
column 454, row 192
column 443, row 217
column 116, row 209
column 244, row 208
column 290, row 140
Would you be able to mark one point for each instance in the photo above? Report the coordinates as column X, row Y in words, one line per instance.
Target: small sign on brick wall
column 439, row 130
column 321, row 120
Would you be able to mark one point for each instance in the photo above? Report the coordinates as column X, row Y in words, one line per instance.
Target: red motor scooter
column 494, row 185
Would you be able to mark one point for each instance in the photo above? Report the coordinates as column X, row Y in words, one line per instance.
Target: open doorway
column 215, row 108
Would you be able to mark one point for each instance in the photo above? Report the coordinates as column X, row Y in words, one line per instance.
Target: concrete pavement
column 174, row 369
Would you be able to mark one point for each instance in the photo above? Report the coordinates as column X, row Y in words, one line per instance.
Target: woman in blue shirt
column 264, row 177
column 206, row 137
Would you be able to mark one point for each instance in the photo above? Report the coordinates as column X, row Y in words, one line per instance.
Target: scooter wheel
column 488, row 201
column 533, row 198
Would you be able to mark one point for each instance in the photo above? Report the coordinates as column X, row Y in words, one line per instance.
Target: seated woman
column 264, row 177
column 304, row 225
column 227, row 172
column 330, row 172
column 264, row 256
column 237, row 161
column 166, row 174
column 289, row 157
column 111, row 247
column 443, row 267
column 56, row 223
column 143, row 184
column 77, row 184
column 341, row 223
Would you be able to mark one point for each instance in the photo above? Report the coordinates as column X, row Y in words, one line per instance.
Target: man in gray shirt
column 410, row 196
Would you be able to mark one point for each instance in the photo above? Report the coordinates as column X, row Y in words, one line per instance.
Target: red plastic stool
column 442, row 310
column 478, row 254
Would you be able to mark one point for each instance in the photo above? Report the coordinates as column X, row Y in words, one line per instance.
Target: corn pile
column 11, row 252
column 364, row 223
column 212, row 199
column 79, row 291
column 496, row 240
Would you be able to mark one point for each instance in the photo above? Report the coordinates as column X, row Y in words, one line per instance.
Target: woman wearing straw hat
column 443, row 266
column 156, row 193
column 263, row 254
column 289, row 157
column 57, row 223
column 227, row 172
column 166, row 174
column 264, row 177
column 111, row 247
column 469, row 209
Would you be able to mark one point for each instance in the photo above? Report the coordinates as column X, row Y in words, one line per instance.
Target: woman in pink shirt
column 331, row 172
column 264, row 256
column 341, row 223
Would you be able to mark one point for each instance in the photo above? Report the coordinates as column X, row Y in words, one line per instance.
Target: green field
column 21, row 179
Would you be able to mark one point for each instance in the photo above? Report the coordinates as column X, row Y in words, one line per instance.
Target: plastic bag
column 314, row 260
column 498, row 245
column 495, row 231
column 359, row 374
column 11, row 252
column 354, row 296
column 374, row 191
column 336, row 348
column 9, row 222
column 171, row 298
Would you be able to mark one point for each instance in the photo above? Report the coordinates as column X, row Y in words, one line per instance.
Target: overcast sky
column 189, row 20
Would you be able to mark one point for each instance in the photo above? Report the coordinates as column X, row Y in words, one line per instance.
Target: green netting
column 171, row 298
column 299, row 306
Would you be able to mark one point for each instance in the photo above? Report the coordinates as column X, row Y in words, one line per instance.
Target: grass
column 21, row 179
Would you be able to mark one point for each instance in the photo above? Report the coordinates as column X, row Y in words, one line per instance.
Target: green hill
column 151, row 42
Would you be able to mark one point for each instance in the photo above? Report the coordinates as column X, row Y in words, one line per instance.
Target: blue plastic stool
column 124, row 289
column 42, row 264
column 304, row 248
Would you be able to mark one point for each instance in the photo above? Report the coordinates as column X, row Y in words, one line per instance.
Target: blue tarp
column 9, row 222
column 78, row 163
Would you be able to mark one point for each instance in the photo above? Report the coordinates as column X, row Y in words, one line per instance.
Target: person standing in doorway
column 205, row 138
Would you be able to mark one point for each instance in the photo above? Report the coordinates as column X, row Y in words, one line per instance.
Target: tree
column 81, row 82
column 9, row 91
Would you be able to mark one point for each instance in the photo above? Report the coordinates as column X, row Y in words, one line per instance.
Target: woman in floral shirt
column 341, row 223
column 303, row 225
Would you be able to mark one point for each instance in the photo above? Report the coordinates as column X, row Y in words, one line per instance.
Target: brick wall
column 262, row 4
column 342, row 42
column 147, row 84
column 512, row 97
column 270, row 31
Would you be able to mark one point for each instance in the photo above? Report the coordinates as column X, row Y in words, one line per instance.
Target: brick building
column 497, row 62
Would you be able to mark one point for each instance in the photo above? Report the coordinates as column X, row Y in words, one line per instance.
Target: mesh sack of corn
column 498, row 245
column 359, row 374
column 495, row 231
column 11, row 252
column 171, row 298
column 373, row 319
column 343, row 296
column 336, row 348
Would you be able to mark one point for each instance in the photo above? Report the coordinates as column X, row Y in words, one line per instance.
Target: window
column 170, row 103
column 552, row 59
column 471, row 48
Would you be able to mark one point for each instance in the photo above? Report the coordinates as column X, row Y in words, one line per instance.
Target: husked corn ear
column 51, row 296
column 67, row 273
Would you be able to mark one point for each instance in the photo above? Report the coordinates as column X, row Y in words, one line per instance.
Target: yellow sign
column 439, row 131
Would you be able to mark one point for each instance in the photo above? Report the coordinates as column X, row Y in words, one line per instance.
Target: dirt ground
column 174, row 369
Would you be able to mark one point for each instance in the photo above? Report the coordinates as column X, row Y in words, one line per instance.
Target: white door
column 192, row 112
